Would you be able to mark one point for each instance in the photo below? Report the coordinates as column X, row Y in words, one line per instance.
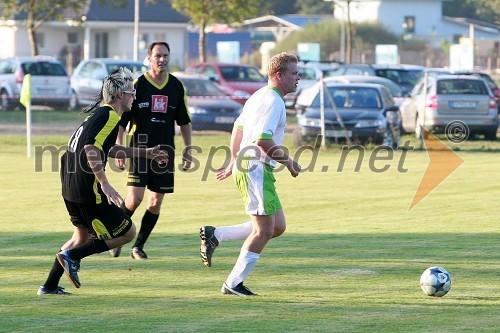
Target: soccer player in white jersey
column 256, row 143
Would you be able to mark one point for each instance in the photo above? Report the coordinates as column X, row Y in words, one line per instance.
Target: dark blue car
column 211, row 109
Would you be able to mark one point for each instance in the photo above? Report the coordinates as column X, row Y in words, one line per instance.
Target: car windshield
column 199, row 87
column 400, row 76
column 461, row 87
column 350, row 98
column 241, row 73
column 396, row 90
column 43, row 68
column 133, row 67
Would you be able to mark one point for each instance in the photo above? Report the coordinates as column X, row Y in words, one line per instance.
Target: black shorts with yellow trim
column 103, row 220
column 147, row 173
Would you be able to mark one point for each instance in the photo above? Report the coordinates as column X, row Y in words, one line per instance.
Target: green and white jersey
column 263, row 117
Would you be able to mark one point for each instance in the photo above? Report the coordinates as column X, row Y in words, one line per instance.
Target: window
column 40, row 39
column 101, row 45
column 409, row 24
column 72, row 38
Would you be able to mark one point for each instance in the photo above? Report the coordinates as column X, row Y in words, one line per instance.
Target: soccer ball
column 435, row 281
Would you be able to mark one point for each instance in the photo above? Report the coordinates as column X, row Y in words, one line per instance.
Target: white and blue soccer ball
column 435, row 281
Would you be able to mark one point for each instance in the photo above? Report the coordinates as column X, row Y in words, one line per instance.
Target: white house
column 421, row 19
column 101, row 31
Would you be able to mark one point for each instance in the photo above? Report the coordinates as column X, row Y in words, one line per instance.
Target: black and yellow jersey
column 79, row 183
column 156, row 110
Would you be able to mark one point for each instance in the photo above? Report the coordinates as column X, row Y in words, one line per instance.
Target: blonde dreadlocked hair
column 113, row 84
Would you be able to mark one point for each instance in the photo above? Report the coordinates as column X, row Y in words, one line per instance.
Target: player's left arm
column 275, row 152
column 153, row 153
column 186, row 154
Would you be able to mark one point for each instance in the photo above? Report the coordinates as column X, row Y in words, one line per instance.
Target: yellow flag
column 25, row 97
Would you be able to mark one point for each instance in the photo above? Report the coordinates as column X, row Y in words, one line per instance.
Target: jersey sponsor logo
column 160, row 103
column 143, row 105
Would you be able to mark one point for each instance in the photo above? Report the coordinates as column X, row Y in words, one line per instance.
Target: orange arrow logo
column 442, row 162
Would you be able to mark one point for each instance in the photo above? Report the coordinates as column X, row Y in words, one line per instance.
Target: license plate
column 463, row 104
column 45, row 91
column 338, row 133
column 224, row 120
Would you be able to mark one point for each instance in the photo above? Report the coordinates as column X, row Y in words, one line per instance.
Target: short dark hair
column 153, row 44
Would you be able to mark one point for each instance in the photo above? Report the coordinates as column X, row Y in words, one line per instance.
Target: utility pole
column 136, row 30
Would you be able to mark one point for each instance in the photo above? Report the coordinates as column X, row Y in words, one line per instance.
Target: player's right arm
column 236, row 137
column 120, row 161
column 96, row 164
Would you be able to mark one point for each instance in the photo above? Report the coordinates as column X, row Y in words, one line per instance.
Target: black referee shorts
column 158, row 178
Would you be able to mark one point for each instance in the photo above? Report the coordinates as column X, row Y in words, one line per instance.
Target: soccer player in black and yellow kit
column 160, row 104
column 99, row 224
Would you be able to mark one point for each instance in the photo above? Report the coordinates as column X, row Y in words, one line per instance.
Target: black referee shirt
column 155, row 111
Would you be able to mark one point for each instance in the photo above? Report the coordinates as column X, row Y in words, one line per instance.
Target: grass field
column 350, row 260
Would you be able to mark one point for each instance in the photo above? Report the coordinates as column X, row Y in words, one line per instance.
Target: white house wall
column 391, row 13
column 15, row 40
column 8, row 38
column 429, row 22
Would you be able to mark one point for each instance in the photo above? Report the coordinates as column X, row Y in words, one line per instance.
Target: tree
column 206, row 12
column 313, row 7
column 482, row 10
column 38, row 12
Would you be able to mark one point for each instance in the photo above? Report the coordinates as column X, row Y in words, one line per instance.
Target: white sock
column 244, row 265
column 233, row 232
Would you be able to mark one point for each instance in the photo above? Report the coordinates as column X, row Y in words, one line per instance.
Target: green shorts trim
column 255, row 182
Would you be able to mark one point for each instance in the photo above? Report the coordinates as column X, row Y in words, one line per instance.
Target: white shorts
column 255, row 182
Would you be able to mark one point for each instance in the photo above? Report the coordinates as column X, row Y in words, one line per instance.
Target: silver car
column 438, row 100
column 49, row 82
column 355, row 112
column 87, row 78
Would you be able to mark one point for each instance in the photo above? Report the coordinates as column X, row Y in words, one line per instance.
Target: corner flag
column 25, row 98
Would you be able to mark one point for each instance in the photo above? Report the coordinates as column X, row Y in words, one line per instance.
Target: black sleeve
column 125, row 119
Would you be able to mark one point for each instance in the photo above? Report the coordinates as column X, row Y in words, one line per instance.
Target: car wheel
column 73, row 102
column 491, row 135
column 4, row 101
column 418, row 129
column 388, row 138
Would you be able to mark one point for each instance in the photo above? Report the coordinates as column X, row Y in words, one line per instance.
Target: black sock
column 147, row 225
column 91, row 247
column 126, row 210
column 54, row 276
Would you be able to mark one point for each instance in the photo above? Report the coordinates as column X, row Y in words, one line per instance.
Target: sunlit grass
column 350, row 260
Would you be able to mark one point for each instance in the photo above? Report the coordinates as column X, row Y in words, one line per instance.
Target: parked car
column 87, row 78
column 50, row 84
column 363, row 112
column 237, row 80
column 396, row 91
column 406, row 76
column 489, row 81
column 448, row 98
column 209, row 106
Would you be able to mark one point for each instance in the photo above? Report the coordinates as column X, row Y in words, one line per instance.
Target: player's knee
column 130, row 234
column 279, row 230
column 133, row 203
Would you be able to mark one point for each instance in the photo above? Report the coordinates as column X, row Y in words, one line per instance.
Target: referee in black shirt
column 160, row 104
